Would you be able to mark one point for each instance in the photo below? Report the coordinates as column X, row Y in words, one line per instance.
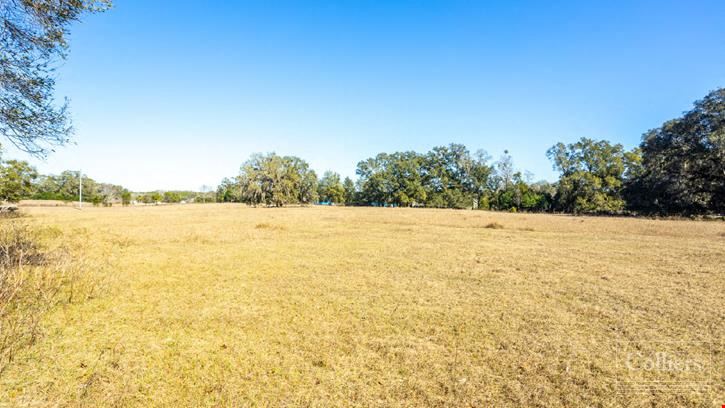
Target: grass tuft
column 34, row 278
column 268, row 226
column 494, row 225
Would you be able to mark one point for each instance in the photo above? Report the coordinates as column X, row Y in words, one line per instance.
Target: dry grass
column 35, row 276
column 47, row 203
column 266, row 225
column 379, row 307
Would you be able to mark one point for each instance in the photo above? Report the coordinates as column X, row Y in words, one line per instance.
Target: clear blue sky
column 175, row 94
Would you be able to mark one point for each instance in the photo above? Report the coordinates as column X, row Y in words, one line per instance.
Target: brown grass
column 48, row 203
column 379, row 307
column 268, row 226
column 34, row 277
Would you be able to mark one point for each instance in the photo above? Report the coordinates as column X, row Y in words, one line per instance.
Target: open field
column 227, row 305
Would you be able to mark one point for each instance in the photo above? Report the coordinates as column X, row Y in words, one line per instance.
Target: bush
column 9, row 211
column 33, row 279
column 19, row 246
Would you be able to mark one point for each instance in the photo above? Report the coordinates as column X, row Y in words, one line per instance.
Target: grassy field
column 225, row 305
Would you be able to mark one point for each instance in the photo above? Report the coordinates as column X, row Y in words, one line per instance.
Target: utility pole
column 80, row 189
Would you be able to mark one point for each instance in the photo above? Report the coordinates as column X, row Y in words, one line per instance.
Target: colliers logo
column 675, row 366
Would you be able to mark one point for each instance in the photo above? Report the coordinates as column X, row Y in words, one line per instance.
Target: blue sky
column 176, row 94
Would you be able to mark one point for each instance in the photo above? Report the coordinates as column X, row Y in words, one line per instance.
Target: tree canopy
column 592, row 176
column 447, row 176
column 33, row 37
column 682, row 167
column 16, row 180
column 272, row 180
column 330, row 189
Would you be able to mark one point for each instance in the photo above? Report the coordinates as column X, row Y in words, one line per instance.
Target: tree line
column 446, row 177
column 21, row 181
column 678, row 168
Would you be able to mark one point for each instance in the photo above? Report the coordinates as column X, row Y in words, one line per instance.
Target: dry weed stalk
column 33, row 279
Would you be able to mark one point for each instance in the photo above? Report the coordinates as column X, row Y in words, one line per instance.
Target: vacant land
column 227, row 305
